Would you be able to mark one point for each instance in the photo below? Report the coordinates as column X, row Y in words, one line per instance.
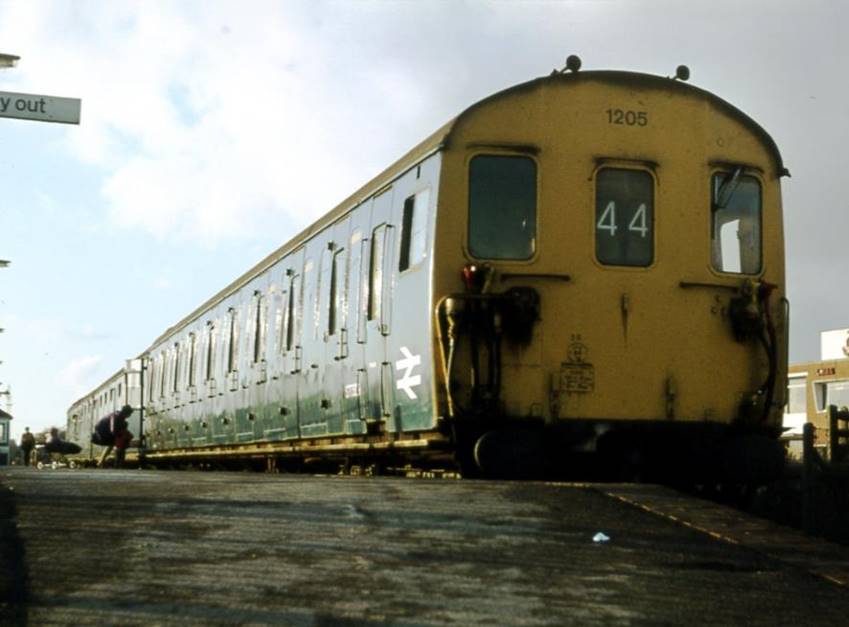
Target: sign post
column 39, row 108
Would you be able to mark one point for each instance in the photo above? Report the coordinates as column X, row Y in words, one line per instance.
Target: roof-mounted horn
column 573, row 64
column 682, row 73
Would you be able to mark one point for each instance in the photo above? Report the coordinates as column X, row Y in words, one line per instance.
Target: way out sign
column 39, row 108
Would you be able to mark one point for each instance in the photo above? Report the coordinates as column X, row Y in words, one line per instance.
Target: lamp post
column 142, row 442
column 7, row 61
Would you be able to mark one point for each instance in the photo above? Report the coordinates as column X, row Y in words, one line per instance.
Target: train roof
column 649, row 80
column 441, row 137
column 105, row 383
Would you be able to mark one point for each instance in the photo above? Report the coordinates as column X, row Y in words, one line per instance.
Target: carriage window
column 284, row 316
column 502, row 207
column 414, row 230
column 151, row 379
column 293, row 312
column 357, row 286
column 210, row 351
column 375, row 291
column 259, row 327
column 163, row 368
column 192, row 351
column 338, row 307
column 324, row 304
column 233, row 348
column 278, row 299
column 624, row 217
column 736, row 223
column 177, row 355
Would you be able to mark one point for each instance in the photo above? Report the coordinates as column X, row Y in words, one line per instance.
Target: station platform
column 140, row 547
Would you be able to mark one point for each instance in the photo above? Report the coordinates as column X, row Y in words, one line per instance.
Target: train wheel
column 511, row 453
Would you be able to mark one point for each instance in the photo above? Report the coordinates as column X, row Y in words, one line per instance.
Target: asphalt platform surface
column 130, row 547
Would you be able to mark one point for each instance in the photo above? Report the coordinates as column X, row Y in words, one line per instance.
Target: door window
column 375, row 283
column 414, row 230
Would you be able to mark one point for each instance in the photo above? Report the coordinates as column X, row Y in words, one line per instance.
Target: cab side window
column 736, row 223
column 502, row 207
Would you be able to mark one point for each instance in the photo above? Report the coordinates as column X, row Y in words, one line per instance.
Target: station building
column 813, row 386
column 5, row 427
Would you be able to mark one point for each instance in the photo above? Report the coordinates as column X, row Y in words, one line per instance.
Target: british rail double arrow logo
column 407, row 364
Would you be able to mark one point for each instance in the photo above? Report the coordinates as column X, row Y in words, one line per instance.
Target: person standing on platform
column 111, row 428
column 27, row 444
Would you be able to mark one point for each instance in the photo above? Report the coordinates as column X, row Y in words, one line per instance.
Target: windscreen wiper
column 727, row 189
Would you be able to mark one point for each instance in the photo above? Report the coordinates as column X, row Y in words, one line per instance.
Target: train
column 582, row 271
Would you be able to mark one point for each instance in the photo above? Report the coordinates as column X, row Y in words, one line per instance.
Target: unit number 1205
column 631, row 118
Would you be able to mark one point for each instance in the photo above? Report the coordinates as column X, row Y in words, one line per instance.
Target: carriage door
column 352, row 332
column 310, row 413
column 333, row 323
column 291, row 349
column 410, row 343
column 380, row 378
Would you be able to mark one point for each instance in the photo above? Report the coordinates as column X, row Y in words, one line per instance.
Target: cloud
column 218, row 124
column 210, row 125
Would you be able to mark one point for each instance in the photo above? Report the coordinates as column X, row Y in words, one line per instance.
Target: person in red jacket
column 122, row 442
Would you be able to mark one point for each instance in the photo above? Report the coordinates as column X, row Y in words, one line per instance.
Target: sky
column 213, row 131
